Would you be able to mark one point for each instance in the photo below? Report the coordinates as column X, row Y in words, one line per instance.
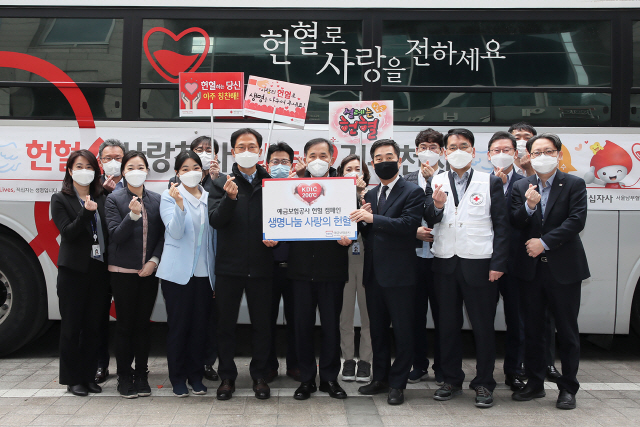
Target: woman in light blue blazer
column 187, row 273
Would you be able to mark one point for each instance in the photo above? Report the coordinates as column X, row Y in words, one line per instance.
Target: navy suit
column 390, row 287
column 554, row 278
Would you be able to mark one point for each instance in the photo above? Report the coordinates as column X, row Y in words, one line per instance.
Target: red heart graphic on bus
column 635, row 149
column 309, row 192
column 175, row 63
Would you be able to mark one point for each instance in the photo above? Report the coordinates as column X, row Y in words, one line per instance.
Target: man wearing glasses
column 110, row 156
column 471, row 244
column 550, row 208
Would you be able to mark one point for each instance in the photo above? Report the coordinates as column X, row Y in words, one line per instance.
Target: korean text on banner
column 289, row 100
column 199, row 91
column 308, row 209
column 369, row 120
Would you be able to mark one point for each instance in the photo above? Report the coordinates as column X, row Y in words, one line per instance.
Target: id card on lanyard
column 95, row 248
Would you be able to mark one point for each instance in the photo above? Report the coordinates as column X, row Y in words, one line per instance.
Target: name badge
column 355, row 248
column 95, row 251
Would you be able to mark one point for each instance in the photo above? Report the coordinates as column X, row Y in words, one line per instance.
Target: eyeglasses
column 548, row 152
column 504, row 150
column 107, row 159
column 200, row 150
column 252, row 148
column 461, row 147
column 435, row 149
column 276, row 162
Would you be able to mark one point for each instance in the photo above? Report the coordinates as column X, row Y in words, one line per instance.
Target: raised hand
column 367, row 207
column 231, row 187
column 439, row 197
column 426, row 170
column 135, row 206
column 360, row 184
column 108, row 184
column 90, row 205
column 301, row 167
column 173, row 192
column 532, row 196
column 214, row 169
column 500, row 174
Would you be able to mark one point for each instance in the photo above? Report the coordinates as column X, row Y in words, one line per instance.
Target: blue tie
column 383, row 198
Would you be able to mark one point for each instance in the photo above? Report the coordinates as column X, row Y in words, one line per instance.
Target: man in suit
column 502, row 152
column 429, row 145
column 550, row 208
column 471, row 243
column 388, row 221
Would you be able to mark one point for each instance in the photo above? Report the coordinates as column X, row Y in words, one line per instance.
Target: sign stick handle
column 361, row 154
column 211, row 111
column 271, row 128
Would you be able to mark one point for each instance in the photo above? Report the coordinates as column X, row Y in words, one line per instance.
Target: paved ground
column 30, row 395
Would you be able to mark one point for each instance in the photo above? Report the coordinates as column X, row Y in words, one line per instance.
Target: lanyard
column 200, row 233
column 93, row 223
column 454, row 190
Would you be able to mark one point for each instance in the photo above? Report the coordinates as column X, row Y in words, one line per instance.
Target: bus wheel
column 23, row 295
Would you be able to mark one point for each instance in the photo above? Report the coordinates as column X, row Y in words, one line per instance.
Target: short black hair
column 466, row 133
column 130, row 155
column 205, row 140
column 382, row 143
column 523, row 126
column 429, row 135
column 316, row 141
column 183, row 156
column 245, row 131
column 280, row 146
column 95, row 188
column 550, row 136
column 503, row 135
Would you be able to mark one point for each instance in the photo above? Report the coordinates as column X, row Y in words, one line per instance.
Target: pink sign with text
column 290, row 101
column 349, row 122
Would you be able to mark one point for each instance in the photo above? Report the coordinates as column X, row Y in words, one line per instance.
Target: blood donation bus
column 79, row 72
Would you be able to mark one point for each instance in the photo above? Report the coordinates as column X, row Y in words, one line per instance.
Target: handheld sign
column 277, row 101
column 211, row 94
column 360, row 121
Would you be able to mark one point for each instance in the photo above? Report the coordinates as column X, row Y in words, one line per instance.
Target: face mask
column 279, row 171
column 459, row 159
column 83, row 177
column 502, row 160
column 429, row 156
column 386, row 170
column 136, row 177
column 351, row 175
column 191, row 179
column 544, row 164
column 318, row 168
column 522, row 147
column 112, row 168
column 247, row 159
column 206, row 160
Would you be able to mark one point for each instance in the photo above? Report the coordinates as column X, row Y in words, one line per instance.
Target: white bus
column 77, row 73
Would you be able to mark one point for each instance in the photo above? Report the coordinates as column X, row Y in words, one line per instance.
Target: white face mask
column 247, row 159
column 206, row 160
column 544, row 164
column 83, row 177
column 112, row 168
column 318, row 168
column 502, row 160
column 351, row 174
column 136, row 178
column 522, row 147
column 429, row 156
column 191, row 179
column 459, row 159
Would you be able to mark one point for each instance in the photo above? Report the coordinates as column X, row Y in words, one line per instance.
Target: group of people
column 433, row 238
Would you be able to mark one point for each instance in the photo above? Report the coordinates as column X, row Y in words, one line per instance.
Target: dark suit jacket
column 476, row 271
column 74, row 223
column 514, row 232
column 390, row 239
column 564, row 219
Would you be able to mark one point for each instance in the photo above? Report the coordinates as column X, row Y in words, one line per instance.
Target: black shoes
column 261, row 388
column 553, row 374
column 363, row 375
column 484, row 397
column 528, row 393
column 78, row 390
column 93, row 388
column 126, row 387
column 374, row 387
column 349, row 370
column 395, row 397
column 304, row 391
column 333, row 388
column 226, row 389
column 447, row 392
column 566, row 400
column 141, row 384
column 210, row 373
column 514, row 381
column 101, row 375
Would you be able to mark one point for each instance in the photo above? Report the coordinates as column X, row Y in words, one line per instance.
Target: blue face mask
column 280, row 171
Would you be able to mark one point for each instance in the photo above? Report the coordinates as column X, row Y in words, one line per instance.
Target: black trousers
column 391, row 306
column 563, row 301
column 452, row 290
column 80, row 299
column 103, row 334
column 188, row 308
column 424, row 298
column 282, row 289
column 211, row 351
column 229, row 292
column 135, row 297
column 327, row 298
column 509, row 287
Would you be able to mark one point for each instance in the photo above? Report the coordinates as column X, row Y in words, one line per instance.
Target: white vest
column 465, row 231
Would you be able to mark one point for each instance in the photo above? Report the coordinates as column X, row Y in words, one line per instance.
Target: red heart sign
column 309, row 192
column 173, row 62
column 635, row 149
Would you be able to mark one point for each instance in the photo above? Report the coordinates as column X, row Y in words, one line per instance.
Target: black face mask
column 386, row 170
